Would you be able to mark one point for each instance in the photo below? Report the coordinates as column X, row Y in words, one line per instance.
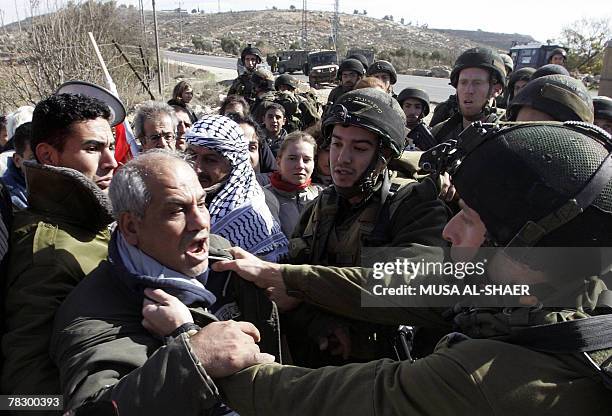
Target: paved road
column 437, row 88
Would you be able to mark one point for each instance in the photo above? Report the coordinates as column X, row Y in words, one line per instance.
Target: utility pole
column 181, row 21
column 142, row 20
column 159, row 73
column 336, row 23
column 219, row 6
column 304, row 24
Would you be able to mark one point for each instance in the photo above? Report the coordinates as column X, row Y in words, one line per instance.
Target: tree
column 355, row 11
column 402, row 20
column 365, row 12
column 54, row 48
column 585, row 41
column 292, row 8
column 194, row 11
column 295, row 45
column 230, row 45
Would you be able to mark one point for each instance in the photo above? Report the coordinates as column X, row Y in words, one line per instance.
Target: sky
column 542, row 19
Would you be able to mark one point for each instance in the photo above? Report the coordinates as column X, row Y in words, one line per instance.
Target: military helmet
column 546, row 184
column 523, row 74
column 563, row 98
column 479, row 58
column 351, row 65
column 508, row 62
column 416, row 93
column 286, row 79
column 360, row 58
column 383, row 66
column 550, row 69
column 373, row 110
column 263, row 78
column 603, row 107
column 558, row 51
column 251, row 50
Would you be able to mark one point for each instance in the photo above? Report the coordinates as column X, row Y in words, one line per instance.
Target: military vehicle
column 321, row 67
column 291, row 61
column 533, row 54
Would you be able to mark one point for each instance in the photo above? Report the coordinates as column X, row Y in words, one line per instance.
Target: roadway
column 437, row 88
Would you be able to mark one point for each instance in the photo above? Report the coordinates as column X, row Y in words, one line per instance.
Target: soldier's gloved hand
column 163, row 313
column 227, row 347
column 264, row 274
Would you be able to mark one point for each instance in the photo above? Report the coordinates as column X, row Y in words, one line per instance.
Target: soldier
column 361, row 58
column 308, row 103
column 262, row 82
column 349, row 73
column 384, row 71
column 415, row 103
column 508, row 63
column 603, row 112
column 367, row 206
column 558, row 57
column 479, row 76
column 517, row 81
column 508, row 361
column 250, row 58
column 552, row 98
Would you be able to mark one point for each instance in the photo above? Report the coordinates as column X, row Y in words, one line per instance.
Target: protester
column 107, row 343
column 155, row 126
column 236, row 201
column 182, row 94
column 14, row 178
column 60, row 237
column 292, row 183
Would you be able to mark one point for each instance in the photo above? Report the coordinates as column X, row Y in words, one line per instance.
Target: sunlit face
column 187, row 95
column 557, row 59
column 274, row 120
column 527, row 113
column 250, row 136
column 183, row 125
column 474, row 90
column 348, row 79
column 89, row 148
column 296, row 162
column 413, row 109
column 175, row 227
column 385, row 78
column 158, row 133
column 210, row 166
column 351, row 152
column 466, row 233
column 250, row 62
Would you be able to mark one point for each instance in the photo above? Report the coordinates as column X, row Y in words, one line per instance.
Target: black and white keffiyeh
column 238, row 212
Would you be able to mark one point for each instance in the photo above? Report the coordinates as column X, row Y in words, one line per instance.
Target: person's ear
column 129, row 225
column 47, row 154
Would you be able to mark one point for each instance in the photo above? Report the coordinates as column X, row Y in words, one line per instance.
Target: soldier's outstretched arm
column 436, row 385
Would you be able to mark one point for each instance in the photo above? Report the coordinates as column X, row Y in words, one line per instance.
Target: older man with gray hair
column 109, row 343
column 155, row 125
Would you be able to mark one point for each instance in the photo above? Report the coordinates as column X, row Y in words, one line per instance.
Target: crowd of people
column 226, row 267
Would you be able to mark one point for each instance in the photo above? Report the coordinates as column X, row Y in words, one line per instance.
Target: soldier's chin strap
column 365, row 185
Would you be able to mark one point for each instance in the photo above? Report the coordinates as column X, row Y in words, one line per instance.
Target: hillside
column 279, row 29
column 501, row 41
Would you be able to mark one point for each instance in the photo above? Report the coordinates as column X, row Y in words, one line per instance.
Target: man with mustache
column 349, row 73
column 112, row 351
column 479, row 76
column 62, row 235
column 234, row 198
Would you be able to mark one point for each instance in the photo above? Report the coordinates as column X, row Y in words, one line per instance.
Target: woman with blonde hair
column 291, row 183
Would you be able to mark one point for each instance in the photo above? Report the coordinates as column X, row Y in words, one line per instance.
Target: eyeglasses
column 169, row 138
